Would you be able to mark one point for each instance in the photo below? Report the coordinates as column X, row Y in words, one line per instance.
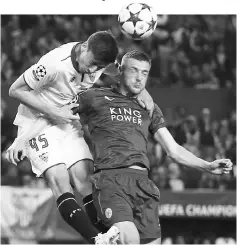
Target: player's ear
column 84, row 46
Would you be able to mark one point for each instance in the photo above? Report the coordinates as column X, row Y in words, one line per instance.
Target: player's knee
column 81, row 170
column 128, row 233
column 58, row 180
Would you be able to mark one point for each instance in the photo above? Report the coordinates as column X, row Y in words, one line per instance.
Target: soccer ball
column 137, row 20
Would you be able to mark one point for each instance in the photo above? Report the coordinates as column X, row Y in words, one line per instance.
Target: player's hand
column 220, row 166
column 16, row 152
column 63, row 115
column 145, row 100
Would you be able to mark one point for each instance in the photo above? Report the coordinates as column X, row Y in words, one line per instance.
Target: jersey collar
column 73, row 56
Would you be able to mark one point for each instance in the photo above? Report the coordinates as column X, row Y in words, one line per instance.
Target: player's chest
column 115, row 111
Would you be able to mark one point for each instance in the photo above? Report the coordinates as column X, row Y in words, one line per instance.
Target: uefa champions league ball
column 137, row 20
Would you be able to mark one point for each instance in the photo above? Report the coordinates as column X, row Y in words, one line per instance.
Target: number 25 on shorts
column 39, row 141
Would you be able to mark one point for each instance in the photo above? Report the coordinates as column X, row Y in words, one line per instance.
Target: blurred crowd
column 196, row 51
column 187, row 51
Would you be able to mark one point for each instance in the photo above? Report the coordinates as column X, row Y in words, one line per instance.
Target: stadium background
column 193, row 80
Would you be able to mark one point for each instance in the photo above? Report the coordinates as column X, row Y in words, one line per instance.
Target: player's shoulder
column 53, row 59
column 60, row 52
column 157, row 109
column 156, row 106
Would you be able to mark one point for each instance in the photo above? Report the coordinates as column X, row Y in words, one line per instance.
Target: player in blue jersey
column 123, row 194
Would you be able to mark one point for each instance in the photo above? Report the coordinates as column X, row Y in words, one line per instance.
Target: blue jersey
column 119, row 127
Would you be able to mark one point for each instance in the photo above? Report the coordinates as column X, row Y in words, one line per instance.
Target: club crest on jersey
column 92, row 76
column 108, row 213
column 44, row 157
column 126, row 114
column 40, row 72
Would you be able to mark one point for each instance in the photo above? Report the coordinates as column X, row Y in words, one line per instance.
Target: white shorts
column 54, row 146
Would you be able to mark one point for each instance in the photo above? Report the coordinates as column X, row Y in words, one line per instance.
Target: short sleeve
column 157, row 120
column 40, row 74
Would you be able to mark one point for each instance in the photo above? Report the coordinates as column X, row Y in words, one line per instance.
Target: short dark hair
column 103, row 46
column 137, row 55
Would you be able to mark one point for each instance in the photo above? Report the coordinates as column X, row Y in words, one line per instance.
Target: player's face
column 87, row 62
column 134, row 74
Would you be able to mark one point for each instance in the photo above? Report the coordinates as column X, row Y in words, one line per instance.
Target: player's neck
column 76, row 50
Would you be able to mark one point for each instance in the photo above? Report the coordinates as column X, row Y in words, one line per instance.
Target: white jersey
column 55, row 81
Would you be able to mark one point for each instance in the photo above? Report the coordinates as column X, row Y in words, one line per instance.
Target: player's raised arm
column 180, row 155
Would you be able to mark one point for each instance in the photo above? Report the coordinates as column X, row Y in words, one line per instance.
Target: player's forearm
column 21, row 91
column 186, row 158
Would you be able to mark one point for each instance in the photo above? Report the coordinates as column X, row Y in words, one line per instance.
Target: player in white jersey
column 59, row 153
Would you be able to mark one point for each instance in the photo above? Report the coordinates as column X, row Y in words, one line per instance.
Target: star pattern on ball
column 153, row 22
column 137, row 20
column 135, row 17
